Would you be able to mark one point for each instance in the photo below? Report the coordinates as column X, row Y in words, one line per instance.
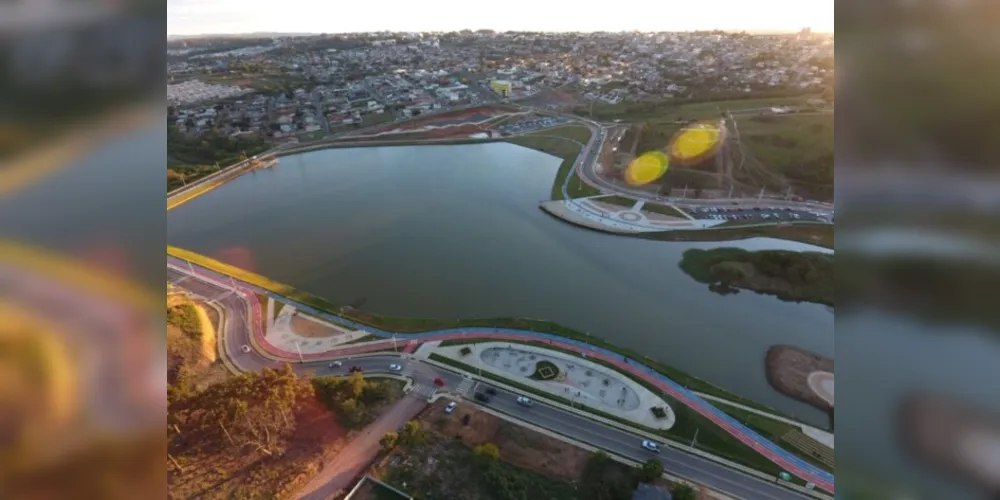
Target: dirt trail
column 338, row 473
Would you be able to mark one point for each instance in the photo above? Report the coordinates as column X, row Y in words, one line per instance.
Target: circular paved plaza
column 574, row 380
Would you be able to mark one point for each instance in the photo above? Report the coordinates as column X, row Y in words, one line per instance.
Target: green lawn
column 822, row 235
column 547, row 141
column 375, row 118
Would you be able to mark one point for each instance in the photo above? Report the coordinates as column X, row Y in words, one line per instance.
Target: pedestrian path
column 465, row 387
column 789, row 462
column 424, row 390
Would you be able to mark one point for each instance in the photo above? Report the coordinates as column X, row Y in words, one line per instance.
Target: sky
column 191, row 17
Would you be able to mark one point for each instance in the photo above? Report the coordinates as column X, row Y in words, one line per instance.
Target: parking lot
column 758, row 214
column 533, row 124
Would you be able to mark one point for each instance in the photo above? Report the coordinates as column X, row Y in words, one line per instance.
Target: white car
column 523, row 401
column 336, row 364
column 245, row 348
column 651, row 446
column 395, row 368
column 451, row 407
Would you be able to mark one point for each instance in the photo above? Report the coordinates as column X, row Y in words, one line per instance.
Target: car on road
column 438, row 381
column 245, row 348
column 395, row 368
column 451, row 407
column 482, row 397
column 523, row 401
column 651, row 446
column 357, row 369
column 491, row 391
column 336, row 364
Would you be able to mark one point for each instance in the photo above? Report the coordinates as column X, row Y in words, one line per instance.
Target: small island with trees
column 789, row 275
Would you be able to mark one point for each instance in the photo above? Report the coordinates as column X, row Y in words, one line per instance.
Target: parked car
column 451, row 407
column 491, row 391
column 651, row 446
column 482, row 397
column 395, row 368
column 336, row 364
column 523, row 401
column 245, row 348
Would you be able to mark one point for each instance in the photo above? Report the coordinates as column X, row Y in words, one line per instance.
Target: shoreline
column 788, row 369
column 405, row 326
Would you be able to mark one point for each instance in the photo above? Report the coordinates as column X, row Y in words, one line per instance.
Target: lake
column 456, row 232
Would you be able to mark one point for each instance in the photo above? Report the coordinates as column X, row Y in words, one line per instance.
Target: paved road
column 237, row 334
column 337, row 476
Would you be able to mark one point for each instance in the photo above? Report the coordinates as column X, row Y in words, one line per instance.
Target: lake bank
column 454, row 232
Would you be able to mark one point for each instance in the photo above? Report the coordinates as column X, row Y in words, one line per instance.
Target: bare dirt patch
column 311, row 329
column 518, row 445
column 788, row 370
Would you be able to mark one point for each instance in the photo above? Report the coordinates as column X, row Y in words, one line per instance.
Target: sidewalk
column 283, row 335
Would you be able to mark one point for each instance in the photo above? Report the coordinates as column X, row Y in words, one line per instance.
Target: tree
column 650, row 470
column 413, row 433
column 357, row 384
column 487, row 451
column 389, row 440
column 682, row 491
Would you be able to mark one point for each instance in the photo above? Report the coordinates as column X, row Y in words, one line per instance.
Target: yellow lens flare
column 646, row 168
column 696, row 142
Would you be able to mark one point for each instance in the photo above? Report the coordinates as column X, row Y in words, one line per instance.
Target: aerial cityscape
column 486, row 264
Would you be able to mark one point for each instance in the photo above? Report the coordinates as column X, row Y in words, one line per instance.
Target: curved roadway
column 244, row 327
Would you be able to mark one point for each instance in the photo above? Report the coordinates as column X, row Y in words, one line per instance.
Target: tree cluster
column 253, row 409
column 352, row 398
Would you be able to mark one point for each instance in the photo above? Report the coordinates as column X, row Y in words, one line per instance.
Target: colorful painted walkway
column 789, row 462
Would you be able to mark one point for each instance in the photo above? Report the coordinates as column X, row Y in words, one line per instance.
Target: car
column 523, row 401
column 336, row 364
column 395, row 368
column 357, row 369
column 651, row 446
column 438, row 381
column 451, row 407
column 491, row 391
column 245, row 348
column 482, row 397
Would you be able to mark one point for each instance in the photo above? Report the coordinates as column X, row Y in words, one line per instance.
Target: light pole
column 299, row 349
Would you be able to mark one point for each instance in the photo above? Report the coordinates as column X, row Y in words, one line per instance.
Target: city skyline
column 222, row 17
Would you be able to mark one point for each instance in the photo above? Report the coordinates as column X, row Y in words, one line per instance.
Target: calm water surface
column 455, row 232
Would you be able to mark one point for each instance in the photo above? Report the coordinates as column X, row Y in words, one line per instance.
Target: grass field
column 669, row 110
column 547, row 141
column 822, row 235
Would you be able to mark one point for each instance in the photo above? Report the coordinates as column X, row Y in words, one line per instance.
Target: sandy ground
column 518, row 445
column 307, row 328
column 822, row 384
column 788, row 369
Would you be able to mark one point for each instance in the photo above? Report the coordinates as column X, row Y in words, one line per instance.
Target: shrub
column 682, row 491
column 658, row 412
column 487, row 451
column 650, row 470
column 465, row 351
